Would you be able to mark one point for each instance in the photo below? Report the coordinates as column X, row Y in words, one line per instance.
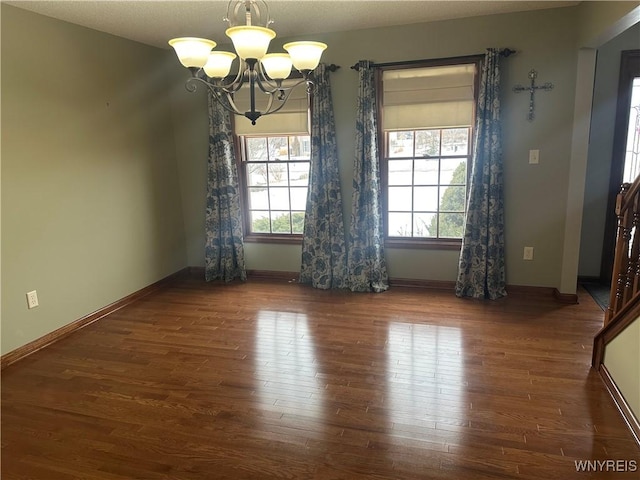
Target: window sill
column 424, row 243
column 286, row 239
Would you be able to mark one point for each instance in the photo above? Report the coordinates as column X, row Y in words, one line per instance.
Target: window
column 427, row 116
column 276, row 174
column 427, row 177
column 275, row 157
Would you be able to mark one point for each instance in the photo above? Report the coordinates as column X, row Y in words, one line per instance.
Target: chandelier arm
column 222, row 98
column 283, row 100
column 232, row 103
column 278, row 86
column 225, row 97
column 191, row 86
column 235, row 84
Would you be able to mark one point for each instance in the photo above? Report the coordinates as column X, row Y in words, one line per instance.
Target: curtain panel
column 481, row 269
column 224, row 248
column 324, row 256
column 366, row 261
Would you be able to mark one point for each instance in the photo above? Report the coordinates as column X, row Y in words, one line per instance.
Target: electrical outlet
column 534, row 156
column 528, row 253
column 32, row 299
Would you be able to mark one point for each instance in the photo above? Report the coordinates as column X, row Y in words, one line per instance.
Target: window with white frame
column 275, row 157
column 276, row 174
column 427, row 117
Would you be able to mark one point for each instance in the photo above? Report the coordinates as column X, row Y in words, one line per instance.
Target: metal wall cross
column 532, row 90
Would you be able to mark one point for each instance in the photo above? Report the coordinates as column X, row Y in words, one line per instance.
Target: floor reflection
column 425, row 378
column 286, row 364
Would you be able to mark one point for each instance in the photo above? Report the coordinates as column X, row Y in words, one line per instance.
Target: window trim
column 248, row 235
column 419, row 242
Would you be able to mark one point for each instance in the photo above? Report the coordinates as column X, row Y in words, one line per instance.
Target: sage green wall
column 191, row 134
column 599, row 21
column 535, row 195
column 622, row 359
column 91, row 207
column 600, row 149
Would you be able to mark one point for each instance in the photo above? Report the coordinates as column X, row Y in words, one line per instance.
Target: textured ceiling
column 154, row 22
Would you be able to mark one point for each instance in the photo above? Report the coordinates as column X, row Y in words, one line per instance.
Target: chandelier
column 262, row 72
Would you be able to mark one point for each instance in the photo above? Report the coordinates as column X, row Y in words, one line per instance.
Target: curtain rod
column 505, row 52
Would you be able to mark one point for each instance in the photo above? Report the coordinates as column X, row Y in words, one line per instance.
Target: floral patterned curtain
column 324, row 256
column 366, row 261
column 224, row 248
column 481, row 270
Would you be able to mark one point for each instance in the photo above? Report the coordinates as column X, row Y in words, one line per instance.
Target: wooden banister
column 625, row 281
column 624, row 303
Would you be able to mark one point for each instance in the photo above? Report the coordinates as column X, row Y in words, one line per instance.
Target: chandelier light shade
column 219, row 64
column 277, row 65
column 259, row 71
column 251, row 42
column 305, row 55
column 192, row 52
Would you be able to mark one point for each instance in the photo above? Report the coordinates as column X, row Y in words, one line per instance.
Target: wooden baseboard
column 567, row 298
column 623, row 407
column 196, row 272
column 273, row 275
column 418, row 283
column 514, row 290
column 62, row 332
column 517, row 290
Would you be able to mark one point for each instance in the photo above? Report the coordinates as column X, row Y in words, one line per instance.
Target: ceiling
column 154, row 22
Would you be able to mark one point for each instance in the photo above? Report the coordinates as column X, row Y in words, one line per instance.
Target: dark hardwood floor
column 281, row 381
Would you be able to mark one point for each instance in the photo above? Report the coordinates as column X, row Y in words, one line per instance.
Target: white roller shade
column 429, row 97
column 293, row 118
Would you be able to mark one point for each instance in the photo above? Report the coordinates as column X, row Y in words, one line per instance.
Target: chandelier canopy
column 250, row 34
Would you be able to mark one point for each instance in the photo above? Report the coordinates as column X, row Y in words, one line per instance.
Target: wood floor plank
column 274, row 380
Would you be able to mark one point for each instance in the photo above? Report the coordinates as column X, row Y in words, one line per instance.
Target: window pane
column 278, row 174
column 299, row 148
column 451, row 225
column 455, row 141
column 256, row 149
column 258, row 199
column 297, row 221
column 426, row 172
column 425, row 199
column 298, row 198
column 299, row 173
column 400, row 172
column 399, row 225
column 424, row 225
column 278, row 148
column 280, row 222
column 428, row 143
column 453, row 171
column 260, row 222
column 279, row 198
column 256, row 174
column 453, row 199
column 400, row 199
column 400, row 144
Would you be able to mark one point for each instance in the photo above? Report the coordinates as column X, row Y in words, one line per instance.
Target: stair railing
column 625, row 280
